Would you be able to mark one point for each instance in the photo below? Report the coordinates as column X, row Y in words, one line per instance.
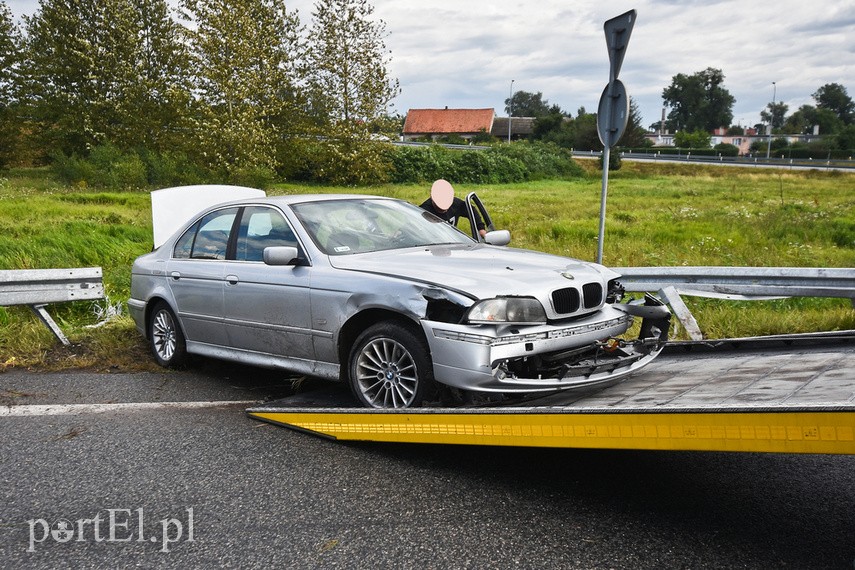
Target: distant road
column 739, row 161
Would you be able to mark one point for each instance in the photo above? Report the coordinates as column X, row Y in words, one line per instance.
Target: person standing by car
column 445, row 205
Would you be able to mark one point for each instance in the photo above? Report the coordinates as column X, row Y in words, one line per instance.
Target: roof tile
column 436, row 121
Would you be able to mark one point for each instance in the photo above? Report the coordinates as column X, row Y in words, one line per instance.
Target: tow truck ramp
column 777, row 400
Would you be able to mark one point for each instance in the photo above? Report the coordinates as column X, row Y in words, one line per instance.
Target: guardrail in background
column 736, row 283
column 776, row 161
column 758, row 161
column 39, row 287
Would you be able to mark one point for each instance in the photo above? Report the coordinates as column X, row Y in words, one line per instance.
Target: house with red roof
column 435, row 123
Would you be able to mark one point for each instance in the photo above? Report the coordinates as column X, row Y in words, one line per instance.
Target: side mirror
column 498, row 237
column 280, row 255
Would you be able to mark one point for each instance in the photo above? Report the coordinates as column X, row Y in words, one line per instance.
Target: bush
column 173, row 169
column 71, row 169
column 115, row 169
column 499, row 163
column 452, row 139
column 726, row 149
column 541, row 160
column 420, row 164
column 615, row 161
column 108, row 167
column 253, row 176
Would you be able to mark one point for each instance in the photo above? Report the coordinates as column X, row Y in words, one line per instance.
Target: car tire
column 390, row 367
column 166, row 338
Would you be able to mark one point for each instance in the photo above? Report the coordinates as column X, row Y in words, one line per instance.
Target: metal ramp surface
column 790, row 400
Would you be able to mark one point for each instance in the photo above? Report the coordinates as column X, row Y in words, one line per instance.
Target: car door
column 267, row 307
column 195, row 275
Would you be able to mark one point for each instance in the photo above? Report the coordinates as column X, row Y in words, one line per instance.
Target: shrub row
column 500, row 163
column 108, row 167
column 724, row 150
column 813, row 154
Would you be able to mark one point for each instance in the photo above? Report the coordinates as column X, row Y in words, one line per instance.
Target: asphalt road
column 259, row 495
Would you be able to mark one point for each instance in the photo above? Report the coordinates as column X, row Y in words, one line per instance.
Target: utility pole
column 771, row 119
column 510, row 109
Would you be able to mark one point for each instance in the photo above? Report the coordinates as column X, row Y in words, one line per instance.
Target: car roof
column 303, row 198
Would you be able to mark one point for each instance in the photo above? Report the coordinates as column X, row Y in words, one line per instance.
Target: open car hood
column 171, row 208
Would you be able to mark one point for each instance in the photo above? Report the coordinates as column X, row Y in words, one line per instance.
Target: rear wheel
column 167, row 340
column 390, row 367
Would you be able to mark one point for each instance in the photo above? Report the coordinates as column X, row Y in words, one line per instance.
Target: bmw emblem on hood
column 567, row 275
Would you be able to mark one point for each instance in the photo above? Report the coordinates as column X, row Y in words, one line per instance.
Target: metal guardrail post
column 736, row 283
column 39, row 287
column 684, row 315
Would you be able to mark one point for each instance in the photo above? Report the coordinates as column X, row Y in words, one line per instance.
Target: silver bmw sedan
column 388, row 298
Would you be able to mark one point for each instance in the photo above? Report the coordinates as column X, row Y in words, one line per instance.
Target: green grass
column 657, row 214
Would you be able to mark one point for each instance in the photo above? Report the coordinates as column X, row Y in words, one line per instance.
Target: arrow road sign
column 618, row 30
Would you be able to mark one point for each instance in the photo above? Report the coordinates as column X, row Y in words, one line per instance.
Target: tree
column 579, row 133
column 800, row 121
column 556, row 128
column 245, row 57
column 546, row 124
column 145, row 63
column 525, row 104
column 775, row 114
column 10, row 53
column 807, row 117
column 349, row 87
column 846, row 138
column 699, row 101
column 102, row 71
column 833, row 97
column 634, row 137
column 698, row 138
column 585, row 135
column 61, row 80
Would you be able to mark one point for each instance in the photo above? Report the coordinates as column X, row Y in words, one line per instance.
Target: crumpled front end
column 582, row 353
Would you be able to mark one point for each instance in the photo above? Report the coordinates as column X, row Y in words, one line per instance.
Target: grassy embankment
column 657, row 215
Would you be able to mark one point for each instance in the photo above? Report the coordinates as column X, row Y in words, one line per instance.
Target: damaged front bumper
column 518, row 359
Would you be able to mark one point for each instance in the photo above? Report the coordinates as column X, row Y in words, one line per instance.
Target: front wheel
column 390, row 367
column 167, row 340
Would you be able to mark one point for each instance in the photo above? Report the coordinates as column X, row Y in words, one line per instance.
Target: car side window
column 209, row 237
column 184, row 244
column 262, row 227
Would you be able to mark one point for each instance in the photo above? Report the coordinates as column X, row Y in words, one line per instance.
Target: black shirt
column 457, row 210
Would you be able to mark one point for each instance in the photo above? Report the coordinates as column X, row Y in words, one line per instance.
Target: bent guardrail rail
column 39, row 287
column 736, row 283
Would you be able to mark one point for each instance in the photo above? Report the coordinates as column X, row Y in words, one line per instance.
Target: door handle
column 175, row 275
column 232, row 279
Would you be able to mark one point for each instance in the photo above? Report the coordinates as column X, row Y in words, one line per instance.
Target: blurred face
column 442, row 195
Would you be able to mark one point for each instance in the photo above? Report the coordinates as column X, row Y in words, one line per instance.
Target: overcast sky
column 464, row 53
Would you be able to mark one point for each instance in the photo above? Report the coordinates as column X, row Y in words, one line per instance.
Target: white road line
column 79, row 409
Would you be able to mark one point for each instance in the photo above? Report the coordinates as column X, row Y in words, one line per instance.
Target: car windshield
column 344, row 227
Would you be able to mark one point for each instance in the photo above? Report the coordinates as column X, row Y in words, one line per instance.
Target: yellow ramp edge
column 774, row 432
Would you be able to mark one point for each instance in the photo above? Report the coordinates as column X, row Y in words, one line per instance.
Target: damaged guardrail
column 736, row 283
column 39, row 287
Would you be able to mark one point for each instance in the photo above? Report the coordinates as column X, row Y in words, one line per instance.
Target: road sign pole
column 613, row 112
column 606, row 157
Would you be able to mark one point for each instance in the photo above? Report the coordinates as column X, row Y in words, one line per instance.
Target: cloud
column 465, row 54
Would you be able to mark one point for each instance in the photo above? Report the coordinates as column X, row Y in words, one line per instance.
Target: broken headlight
column 517, row 310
